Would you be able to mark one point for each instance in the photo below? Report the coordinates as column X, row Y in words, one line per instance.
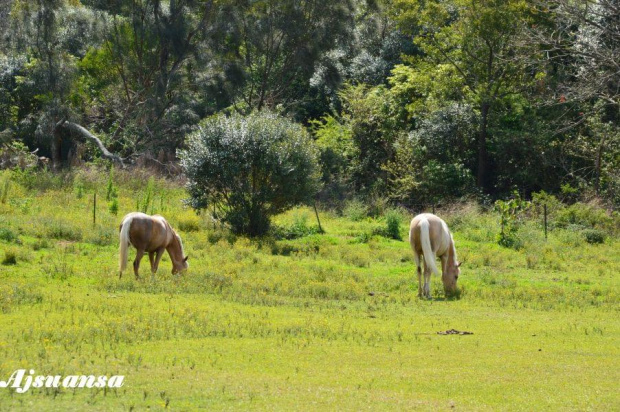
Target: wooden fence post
column 94, row 209
column 545, row 213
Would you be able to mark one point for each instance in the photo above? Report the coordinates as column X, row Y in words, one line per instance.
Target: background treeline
column 417, row 102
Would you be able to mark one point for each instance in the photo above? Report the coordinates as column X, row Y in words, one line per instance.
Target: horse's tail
column 427, row 250
column 124, row 242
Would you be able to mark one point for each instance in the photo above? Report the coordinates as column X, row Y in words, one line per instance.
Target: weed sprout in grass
column 10, row 257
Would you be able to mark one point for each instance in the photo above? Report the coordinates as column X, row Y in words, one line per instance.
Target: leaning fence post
column 545, row 214
column 433, row 208
column 316, row 212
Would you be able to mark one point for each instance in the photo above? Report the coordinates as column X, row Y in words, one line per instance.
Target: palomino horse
column 150, row 234
column 429, row 237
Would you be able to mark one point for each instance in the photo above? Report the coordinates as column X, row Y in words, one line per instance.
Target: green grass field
column 327, row 321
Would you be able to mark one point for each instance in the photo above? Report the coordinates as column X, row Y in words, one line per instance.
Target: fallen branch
column 74, row 127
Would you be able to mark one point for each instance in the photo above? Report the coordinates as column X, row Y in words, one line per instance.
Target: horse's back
column 145, row 231
column 437, row 230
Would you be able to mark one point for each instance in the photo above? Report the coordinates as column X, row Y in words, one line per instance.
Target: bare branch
column 76, row 128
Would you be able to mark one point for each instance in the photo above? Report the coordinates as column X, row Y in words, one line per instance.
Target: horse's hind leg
column 136, row 263
column 416, row 257
column 427, row 281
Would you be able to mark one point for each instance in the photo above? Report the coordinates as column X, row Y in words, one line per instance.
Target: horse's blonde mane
column 180, row 242
column 453, row 248
column 175, row 234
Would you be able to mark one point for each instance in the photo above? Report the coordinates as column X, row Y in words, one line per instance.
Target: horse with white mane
column 150, row 234
column 429, row 237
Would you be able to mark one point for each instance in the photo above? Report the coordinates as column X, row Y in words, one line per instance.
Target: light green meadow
column 321, row 322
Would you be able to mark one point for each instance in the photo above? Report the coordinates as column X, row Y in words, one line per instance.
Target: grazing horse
column 429, row 237
column 150, row 234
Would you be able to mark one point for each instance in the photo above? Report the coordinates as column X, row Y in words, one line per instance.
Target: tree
column 472, row 53
column 147, row 74
column 250, row 168
column 45, row 40
column 374, row 47
column 372, row 122
column 583, row 37
column 280, row 43
column 429, row 164
column 581, row 93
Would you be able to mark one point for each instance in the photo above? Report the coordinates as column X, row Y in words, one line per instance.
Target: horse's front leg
column 444, row 265
column 152, row 260
column 160, row 253
column 136, row 263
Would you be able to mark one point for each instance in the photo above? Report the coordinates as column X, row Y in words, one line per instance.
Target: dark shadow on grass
column 449, row 297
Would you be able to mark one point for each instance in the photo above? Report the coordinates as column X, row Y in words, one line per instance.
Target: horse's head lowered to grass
column 175, row 250
column 450, row 276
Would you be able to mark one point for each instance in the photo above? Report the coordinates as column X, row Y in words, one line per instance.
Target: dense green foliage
column 413, row 101
column 250, row 168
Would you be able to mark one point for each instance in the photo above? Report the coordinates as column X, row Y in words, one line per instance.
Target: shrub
column 251, row 168
column 79, row 189
column 111, row 190
column 542, row 199
column 510, row 212
column 355, row 210
column 65, row 231
column 145, row 199
column 585, row 215
column 594, row 236
column 393, row 218
column 40, row 244
column 298, row 229
column 8, row 235
column 41, row 180
column 221, row 233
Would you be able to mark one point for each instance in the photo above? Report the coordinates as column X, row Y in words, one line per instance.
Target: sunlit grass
column 321, row 321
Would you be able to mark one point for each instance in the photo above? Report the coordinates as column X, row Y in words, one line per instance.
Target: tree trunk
column 597, row 168
column 482, row 148
column 56, row 149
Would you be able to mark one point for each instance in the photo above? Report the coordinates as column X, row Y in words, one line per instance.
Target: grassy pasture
column 318, row 322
